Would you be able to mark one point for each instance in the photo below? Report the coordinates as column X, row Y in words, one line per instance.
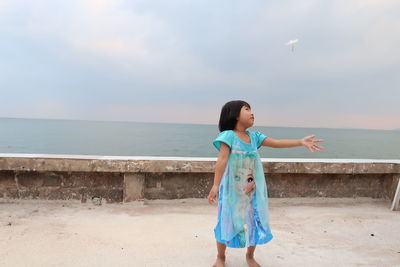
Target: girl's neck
column 240, row 129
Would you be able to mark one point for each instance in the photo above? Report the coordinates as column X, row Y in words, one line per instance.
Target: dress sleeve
column 260, row 138
column 224, row 136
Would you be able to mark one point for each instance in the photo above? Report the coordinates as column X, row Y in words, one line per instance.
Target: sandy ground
column 307, row 232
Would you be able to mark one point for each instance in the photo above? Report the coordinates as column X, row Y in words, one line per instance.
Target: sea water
column 49, row 136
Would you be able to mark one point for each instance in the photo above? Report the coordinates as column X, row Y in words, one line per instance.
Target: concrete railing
column 123, row 179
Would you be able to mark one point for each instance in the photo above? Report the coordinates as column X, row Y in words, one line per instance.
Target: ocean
column 107, row 138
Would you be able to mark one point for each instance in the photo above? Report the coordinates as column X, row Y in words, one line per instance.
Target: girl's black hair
column 229, row 113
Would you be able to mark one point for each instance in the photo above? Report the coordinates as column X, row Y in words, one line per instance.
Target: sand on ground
column 307, row 232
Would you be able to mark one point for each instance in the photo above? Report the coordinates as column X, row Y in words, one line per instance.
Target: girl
column 239, row 181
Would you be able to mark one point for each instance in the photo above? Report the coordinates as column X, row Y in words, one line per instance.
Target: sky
column 181, row 61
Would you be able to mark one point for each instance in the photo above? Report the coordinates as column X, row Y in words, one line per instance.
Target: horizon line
column 96, row 120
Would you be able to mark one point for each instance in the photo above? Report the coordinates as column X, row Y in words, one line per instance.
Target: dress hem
column 258, row 243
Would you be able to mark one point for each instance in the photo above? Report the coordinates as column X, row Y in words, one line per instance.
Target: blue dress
column 243, row 217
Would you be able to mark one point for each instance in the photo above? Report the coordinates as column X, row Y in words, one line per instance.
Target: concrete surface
column 307, row 232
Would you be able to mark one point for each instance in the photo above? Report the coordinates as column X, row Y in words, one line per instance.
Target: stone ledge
column 92, row 163
column 124, row 179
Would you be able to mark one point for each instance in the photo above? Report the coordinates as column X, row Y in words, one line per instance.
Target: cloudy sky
column 180, row 61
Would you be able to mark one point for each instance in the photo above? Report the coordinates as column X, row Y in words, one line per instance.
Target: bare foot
column 252, row 262
column 220, row 262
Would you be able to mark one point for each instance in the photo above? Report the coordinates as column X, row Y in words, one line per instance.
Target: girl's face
column 246, row 117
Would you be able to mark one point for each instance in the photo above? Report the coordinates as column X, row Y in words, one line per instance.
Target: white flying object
column 292, row 43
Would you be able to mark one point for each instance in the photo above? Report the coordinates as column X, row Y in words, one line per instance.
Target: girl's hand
column 212, row 196
column 309, row 143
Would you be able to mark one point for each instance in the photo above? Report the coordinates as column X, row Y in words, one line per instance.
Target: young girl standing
column 239, row 181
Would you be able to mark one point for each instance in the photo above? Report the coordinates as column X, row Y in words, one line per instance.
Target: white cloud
column 365, row 35
column 144, row 45
column 139, row 44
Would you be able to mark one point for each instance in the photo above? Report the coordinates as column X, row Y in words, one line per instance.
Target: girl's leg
column 221, row 255
column 250, row 251
column 221, row 249
column 250, row 257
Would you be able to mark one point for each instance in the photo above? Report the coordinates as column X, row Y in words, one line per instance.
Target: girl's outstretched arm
column 307, row 142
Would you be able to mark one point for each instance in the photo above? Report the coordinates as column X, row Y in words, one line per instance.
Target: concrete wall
column 123, row 179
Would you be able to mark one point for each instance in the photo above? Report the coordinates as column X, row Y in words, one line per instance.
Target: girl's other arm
column 221, row 163
column 307, row 141
column 219, row 171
